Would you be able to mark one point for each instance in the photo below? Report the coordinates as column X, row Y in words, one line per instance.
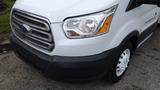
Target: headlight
column 89, row 25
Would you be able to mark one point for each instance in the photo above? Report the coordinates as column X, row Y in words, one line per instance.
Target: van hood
column 58, row 10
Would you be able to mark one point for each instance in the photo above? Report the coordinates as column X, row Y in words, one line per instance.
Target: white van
column 82, row 39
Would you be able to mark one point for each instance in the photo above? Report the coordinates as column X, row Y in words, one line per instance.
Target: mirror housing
column 155, row 2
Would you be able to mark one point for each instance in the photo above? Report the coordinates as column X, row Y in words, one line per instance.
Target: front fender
column 125, row 33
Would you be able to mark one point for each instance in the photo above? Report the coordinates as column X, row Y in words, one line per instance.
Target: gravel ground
column 143, row 73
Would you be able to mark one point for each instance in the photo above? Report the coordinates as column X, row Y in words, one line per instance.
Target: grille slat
column 36, row 20
column 35, row 41
column 37, row 32
column 31, row 25
column 15, row 26
column 41, row 35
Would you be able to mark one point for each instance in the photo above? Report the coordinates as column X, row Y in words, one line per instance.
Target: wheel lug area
column 119, row 62
column 123, row 62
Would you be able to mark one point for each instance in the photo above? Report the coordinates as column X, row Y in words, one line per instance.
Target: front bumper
column 66, row 68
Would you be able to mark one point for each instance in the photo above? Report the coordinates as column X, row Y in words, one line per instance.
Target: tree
column 1, row 5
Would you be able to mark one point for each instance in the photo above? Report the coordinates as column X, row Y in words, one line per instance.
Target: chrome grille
column 37, row 31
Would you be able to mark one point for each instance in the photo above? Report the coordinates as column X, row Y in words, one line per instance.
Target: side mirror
column 155, row 2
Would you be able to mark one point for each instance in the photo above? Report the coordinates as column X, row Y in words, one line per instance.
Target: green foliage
column 5, row 15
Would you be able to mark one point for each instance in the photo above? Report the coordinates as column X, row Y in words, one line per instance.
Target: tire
column 121, row 62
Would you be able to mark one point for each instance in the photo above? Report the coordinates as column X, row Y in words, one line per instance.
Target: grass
column 4, row 17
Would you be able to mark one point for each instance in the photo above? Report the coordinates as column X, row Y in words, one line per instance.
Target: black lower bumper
column 66, row 68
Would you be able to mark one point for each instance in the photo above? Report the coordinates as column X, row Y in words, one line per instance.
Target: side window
column 133, row 4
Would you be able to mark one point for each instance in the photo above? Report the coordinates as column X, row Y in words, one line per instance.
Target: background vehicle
column 76, row 41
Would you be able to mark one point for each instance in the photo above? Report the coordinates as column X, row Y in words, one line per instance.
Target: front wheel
column 121, row 63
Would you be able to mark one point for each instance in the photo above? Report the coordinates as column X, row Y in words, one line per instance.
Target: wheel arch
column 133, row 38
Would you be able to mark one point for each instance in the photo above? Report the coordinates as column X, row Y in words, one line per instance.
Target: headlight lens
column 89, row 25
